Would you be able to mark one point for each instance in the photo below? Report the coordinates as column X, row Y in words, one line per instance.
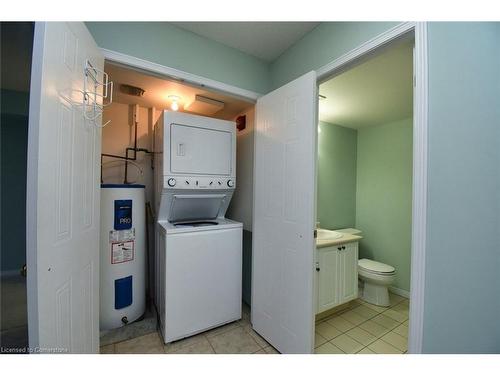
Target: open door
column 284, row 216
column 62, row 194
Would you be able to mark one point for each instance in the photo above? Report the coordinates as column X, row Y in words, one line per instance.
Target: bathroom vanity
column 336, row 269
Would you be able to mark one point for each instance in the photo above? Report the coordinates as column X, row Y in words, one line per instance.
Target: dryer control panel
column 190, row 182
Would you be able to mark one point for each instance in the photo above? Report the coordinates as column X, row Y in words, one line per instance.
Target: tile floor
column 233, row 338
column 362, row 328
column 365, row 329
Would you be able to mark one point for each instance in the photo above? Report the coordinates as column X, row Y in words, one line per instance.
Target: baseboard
column 399, row 292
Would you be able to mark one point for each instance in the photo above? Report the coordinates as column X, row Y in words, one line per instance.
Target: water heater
column 122, row 255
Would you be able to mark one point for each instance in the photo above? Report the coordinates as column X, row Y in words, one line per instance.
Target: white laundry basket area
column 122, row 255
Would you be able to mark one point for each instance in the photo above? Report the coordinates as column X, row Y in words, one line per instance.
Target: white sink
column 325, row 234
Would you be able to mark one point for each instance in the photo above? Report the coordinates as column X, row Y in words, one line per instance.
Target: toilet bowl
column 376, row 278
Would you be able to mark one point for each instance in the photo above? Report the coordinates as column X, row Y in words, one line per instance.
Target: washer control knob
column 171, row 182
column 230, row 183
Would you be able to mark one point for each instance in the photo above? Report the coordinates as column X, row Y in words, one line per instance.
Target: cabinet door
column 348, row 264
column 328, row 295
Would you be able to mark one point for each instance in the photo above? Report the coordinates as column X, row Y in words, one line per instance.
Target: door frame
column 420, row 142
column 417, row 30
column 163, row 71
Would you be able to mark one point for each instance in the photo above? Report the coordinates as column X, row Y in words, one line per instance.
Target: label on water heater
column 122, row 235
column 123, row 214
column 122, row 252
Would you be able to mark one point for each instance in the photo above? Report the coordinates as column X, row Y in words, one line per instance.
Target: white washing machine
column 201, row 276
column 198, row 250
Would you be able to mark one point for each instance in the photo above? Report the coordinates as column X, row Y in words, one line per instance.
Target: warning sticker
column 122, row 235
column 122, row 252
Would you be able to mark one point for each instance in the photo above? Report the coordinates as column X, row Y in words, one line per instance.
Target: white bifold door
column 62, row 194
column 284, row 216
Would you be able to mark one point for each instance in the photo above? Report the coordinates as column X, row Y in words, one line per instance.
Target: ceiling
column 157, row 91
column 264, row 40
column 377, row 91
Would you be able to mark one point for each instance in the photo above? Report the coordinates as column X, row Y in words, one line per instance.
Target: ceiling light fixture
column 174, row 106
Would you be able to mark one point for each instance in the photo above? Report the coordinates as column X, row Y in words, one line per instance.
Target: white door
column 284, row 216
column 63, row 194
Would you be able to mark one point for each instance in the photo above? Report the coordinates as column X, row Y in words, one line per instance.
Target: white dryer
column 198, row 250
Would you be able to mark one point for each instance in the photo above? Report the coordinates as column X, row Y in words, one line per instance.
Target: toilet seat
column 376, row 268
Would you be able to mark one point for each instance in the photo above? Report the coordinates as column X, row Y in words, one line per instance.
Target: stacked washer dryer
column 198, row 250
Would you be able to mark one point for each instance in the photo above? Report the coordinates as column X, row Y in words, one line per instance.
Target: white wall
column 241, row 205
column 118, row 135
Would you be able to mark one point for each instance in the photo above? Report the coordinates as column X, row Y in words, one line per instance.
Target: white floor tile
column 401, row 330
column 222, row 329
column 395, row 299
column 107, row 349
column 366, row 351
column 347, row 344
column 327, row 330
column 360, row 335
column 397, row 316
column 235, row 341
column 147, row 344
column 328, row 348
column 340, row 323
column 386, row 321
column 354, row 317
column 199, row 347
column 374, row 328
column 396, row 340
column 365, row 311
column 270, row 350
column 318, row 340
column 184, row 343
column 381, row 347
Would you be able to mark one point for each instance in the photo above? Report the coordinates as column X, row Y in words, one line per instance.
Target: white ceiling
column 264, row 40
column 378, row 91
column 157, row 91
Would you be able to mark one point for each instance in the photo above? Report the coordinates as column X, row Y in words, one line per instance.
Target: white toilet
column 376, row 277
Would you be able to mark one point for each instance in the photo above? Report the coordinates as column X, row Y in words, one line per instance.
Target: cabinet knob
column 339, row 248
column 343, row 247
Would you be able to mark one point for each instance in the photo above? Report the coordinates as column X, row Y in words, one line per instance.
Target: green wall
column 166, row 44
column 336, row 201
column 462, row 304
column 328, row 41
column 384, row 195
column 14, row 144
column 463, row 237
column 364, row 181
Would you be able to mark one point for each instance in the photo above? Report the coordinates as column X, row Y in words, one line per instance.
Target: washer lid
column 373, row 266
column 195, row 207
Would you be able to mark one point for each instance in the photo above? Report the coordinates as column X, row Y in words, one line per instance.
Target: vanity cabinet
column 336, row 275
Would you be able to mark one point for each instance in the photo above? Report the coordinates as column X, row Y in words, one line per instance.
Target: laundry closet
column 145, row 114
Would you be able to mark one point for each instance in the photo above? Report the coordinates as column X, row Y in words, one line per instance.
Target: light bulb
column 174, row 106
